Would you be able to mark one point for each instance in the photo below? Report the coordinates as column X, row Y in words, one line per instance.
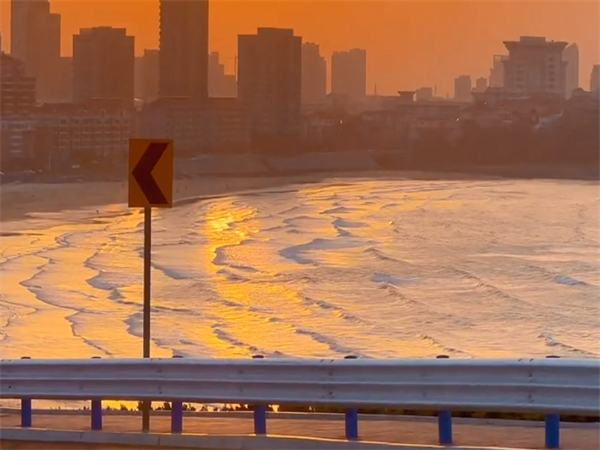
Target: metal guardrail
column 548, row 386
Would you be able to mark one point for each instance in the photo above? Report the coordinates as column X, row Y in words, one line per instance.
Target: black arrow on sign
column 143, row 173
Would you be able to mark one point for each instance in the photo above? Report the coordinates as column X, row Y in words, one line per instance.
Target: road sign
column 150, row 185
column 150, row 173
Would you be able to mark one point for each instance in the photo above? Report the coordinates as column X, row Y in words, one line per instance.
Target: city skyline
column 432, row 61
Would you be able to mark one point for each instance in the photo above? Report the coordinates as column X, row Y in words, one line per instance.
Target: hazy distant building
column 35, row 40
column 481, row 84
column 535, row 66
column 220, row 84
column 497, row 71
column 462, row 88
column 314, row 75
column 183, row 65
column 103, row 65
column 571, row 56
column 424, row 94
column 595, row 78
column 349, row 73
column 146, row 76
column 270, row 81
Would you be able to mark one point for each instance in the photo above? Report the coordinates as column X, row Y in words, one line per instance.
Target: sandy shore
column 400, row 430
column 19, row 200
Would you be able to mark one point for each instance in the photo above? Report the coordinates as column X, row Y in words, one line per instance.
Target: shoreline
column 18, row 201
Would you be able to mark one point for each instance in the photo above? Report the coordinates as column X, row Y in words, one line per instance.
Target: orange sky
column 409, row 43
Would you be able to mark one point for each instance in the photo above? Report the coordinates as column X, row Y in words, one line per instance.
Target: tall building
column 146, row 76
column 220, row 84
column 349, row 73
column 183, row 61
column 571, row 56
column 35, row 40
column 424, row 94
column 103, row 65
column 314, row 75
column 481, row 84
column 595, row 78
column 497, row 71
column 462, row 88
column 535, row 66
column 270, row 81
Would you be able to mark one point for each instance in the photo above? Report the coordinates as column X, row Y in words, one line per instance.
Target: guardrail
column 548, row 386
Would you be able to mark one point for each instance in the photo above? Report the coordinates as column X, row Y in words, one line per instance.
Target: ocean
column 375, row 268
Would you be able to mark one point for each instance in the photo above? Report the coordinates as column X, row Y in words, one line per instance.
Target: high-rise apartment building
column 103, row 65
column 183, row 61
column 535, row 66
column 270, row 80
column 146, row 76
column 424, row 94
column 462, row 88
column 35, row 40
column 220, row 84
column 497, row 71
column 349, row 73
column 595, row 78
column 481, row 84
column 314, row 75
column 571, row 56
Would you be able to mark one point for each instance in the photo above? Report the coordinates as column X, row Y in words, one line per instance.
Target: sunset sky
column 409, row 44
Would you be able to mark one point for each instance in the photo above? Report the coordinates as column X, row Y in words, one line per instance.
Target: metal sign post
column 150, row 185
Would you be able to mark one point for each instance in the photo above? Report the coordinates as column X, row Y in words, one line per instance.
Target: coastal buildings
column 481, row 84
column 183, row 60
column 314, row 75
column 35, row 40
column 270, row 83
column 462, row 89
column 497, row 71
column 103, row 66
column 535, row 66
column 349, row 73
column 146, row 76
column 220, row 84
column 424, row 94
column 571, row 56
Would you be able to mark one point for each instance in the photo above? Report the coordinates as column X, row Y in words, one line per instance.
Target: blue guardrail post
column 26, row 411
column 96, row 410
column 351, row 417
column 444, row 421
column 260, row 413
column 176, row 414
column 552, row 426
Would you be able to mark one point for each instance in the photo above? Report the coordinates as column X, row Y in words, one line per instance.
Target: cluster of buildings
column 61, row 111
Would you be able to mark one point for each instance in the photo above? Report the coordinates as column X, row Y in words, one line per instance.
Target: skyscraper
column 595, row 78
column 314, row 75
column 571, row 56
column 481, row 84
column 270, row 80
column 462, row 88
column 349, row 73
column 497, row 71
column 146, row 76
column 183, row 60
column 103, row 65
column 35, row 40
column 535, row 66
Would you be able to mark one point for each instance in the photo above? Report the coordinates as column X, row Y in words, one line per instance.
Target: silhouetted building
column 462, row 88
column 314, row 75
column 535, row 66
column 184, row 49
column 17, row 101
column 571, row 56
column 103, row 65
column 424, row 94
column 349, row 73
column 595, row 78
column 146, row 76
column 497, row 71
column 220, row 84
column 269, row 82
column 35, row 40
column 481, row 84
